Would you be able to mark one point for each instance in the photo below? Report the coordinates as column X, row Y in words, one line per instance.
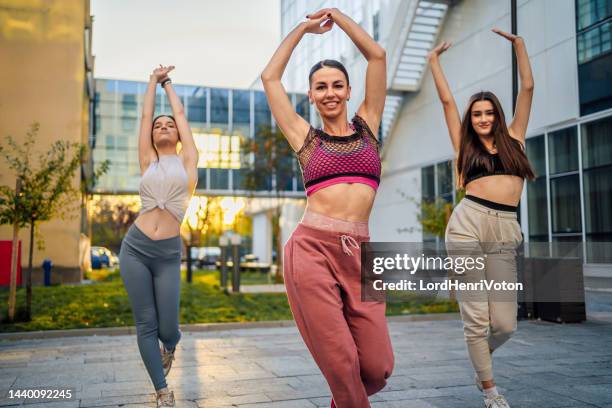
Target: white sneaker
column 496, row 402
column 167, row 358
column 165, row 399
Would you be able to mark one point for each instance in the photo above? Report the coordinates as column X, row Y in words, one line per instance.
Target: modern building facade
column 569, row 139
column 47, row 68
column 220, row 119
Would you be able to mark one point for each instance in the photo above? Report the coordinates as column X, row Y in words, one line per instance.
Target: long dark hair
column 330, row 63
column 153, row 125
column 472, row 153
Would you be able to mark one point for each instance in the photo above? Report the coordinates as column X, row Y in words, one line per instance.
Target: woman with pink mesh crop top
column 150, row 255
column 340, row 164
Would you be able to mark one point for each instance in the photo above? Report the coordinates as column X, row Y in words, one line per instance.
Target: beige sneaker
column 165, row 399
column 167, row 358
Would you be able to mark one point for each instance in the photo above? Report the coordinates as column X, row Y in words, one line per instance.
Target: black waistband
column 492, row 204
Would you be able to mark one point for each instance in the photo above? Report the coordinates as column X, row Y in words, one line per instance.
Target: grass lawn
column 105, row 304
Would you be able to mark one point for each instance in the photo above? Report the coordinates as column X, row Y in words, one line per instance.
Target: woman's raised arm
column 451, row 113
column 146, row 150
column 518, row 127
column 189, row 151
column 293, row 126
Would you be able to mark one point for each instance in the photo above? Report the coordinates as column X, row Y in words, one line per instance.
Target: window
column 537, row 202
column 594, row 48
column 218, row 151
column 219, row 179
column 428, row 184
column 565, row 206
column 241, row 112
column 219, row 109
column 590, row 12
column 201, row 179
column 437, row 183
column 196, row 107
column 564, row 182
column 594, row 42
column 597, row 173
column 563, row 150
column 263, row 116
column 129, row 106
column 444, row 176
column 128, row 125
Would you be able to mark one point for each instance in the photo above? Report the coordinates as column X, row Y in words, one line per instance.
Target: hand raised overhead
column 436, row 52
column 510, row 37
column 319, row 22
column 161, row 73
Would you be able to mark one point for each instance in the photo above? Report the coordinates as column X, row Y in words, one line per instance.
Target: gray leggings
column 151, row 273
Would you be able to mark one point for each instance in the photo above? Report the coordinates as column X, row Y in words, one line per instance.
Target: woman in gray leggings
column 150, row 255
column 491, row 165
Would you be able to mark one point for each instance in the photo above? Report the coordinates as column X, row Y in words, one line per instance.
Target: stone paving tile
column 543, row 365
column 302, row 403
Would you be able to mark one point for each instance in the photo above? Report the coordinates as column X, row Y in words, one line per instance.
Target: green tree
column 111, row 220
column 434, row 214
column 268, row 165
column 46, row 191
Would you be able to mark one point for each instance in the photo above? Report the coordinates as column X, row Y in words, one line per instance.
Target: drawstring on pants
column 351, row 241
column 499, row 226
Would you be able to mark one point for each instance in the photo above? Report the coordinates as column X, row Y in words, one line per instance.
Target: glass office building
column 220, row 119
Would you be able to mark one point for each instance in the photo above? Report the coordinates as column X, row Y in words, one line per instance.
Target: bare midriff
column 502, row 188
column 346, row 201
column 158, row 224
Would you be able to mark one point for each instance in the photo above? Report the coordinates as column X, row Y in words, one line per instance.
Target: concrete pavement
column 544, row 365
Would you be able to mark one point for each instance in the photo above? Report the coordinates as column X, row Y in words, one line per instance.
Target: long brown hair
column 472, row 153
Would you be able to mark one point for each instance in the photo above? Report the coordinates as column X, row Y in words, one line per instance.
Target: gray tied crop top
column 164, row 185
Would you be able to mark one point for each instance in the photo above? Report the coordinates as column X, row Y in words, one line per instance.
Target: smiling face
column 329, row 91
column 164, row 132
column 483, row 117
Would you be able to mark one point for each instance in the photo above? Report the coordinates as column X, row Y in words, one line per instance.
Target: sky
column 222, row 43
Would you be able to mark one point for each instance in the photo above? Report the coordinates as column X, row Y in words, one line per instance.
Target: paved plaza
column 544, row 365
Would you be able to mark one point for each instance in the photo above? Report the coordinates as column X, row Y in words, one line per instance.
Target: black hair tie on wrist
column 166, row 82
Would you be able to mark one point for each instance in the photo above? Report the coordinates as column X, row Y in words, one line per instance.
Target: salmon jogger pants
column 348, row 338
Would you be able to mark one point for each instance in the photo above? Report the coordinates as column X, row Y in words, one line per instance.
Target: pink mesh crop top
column 325, row 159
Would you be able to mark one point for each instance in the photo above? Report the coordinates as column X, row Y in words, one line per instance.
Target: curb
column 198, row 327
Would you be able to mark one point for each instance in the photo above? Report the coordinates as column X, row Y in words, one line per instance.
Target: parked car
column 205, row 256
column 248, row 263
column 102, row 257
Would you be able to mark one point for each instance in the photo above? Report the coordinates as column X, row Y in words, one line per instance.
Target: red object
column 5, row 263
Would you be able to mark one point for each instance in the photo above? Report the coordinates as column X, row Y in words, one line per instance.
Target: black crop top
column 479, row 171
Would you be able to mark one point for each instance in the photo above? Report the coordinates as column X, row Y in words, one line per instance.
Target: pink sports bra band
column 319, row 184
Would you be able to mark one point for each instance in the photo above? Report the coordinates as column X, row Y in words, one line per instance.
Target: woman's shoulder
column 361, row 124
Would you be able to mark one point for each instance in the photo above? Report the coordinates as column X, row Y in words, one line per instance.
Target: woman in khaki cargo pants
column 491, row 165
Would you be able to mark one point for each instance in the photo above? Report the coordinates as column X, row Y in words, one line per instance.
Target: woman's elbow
column 267, row 77
column 379, row 54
